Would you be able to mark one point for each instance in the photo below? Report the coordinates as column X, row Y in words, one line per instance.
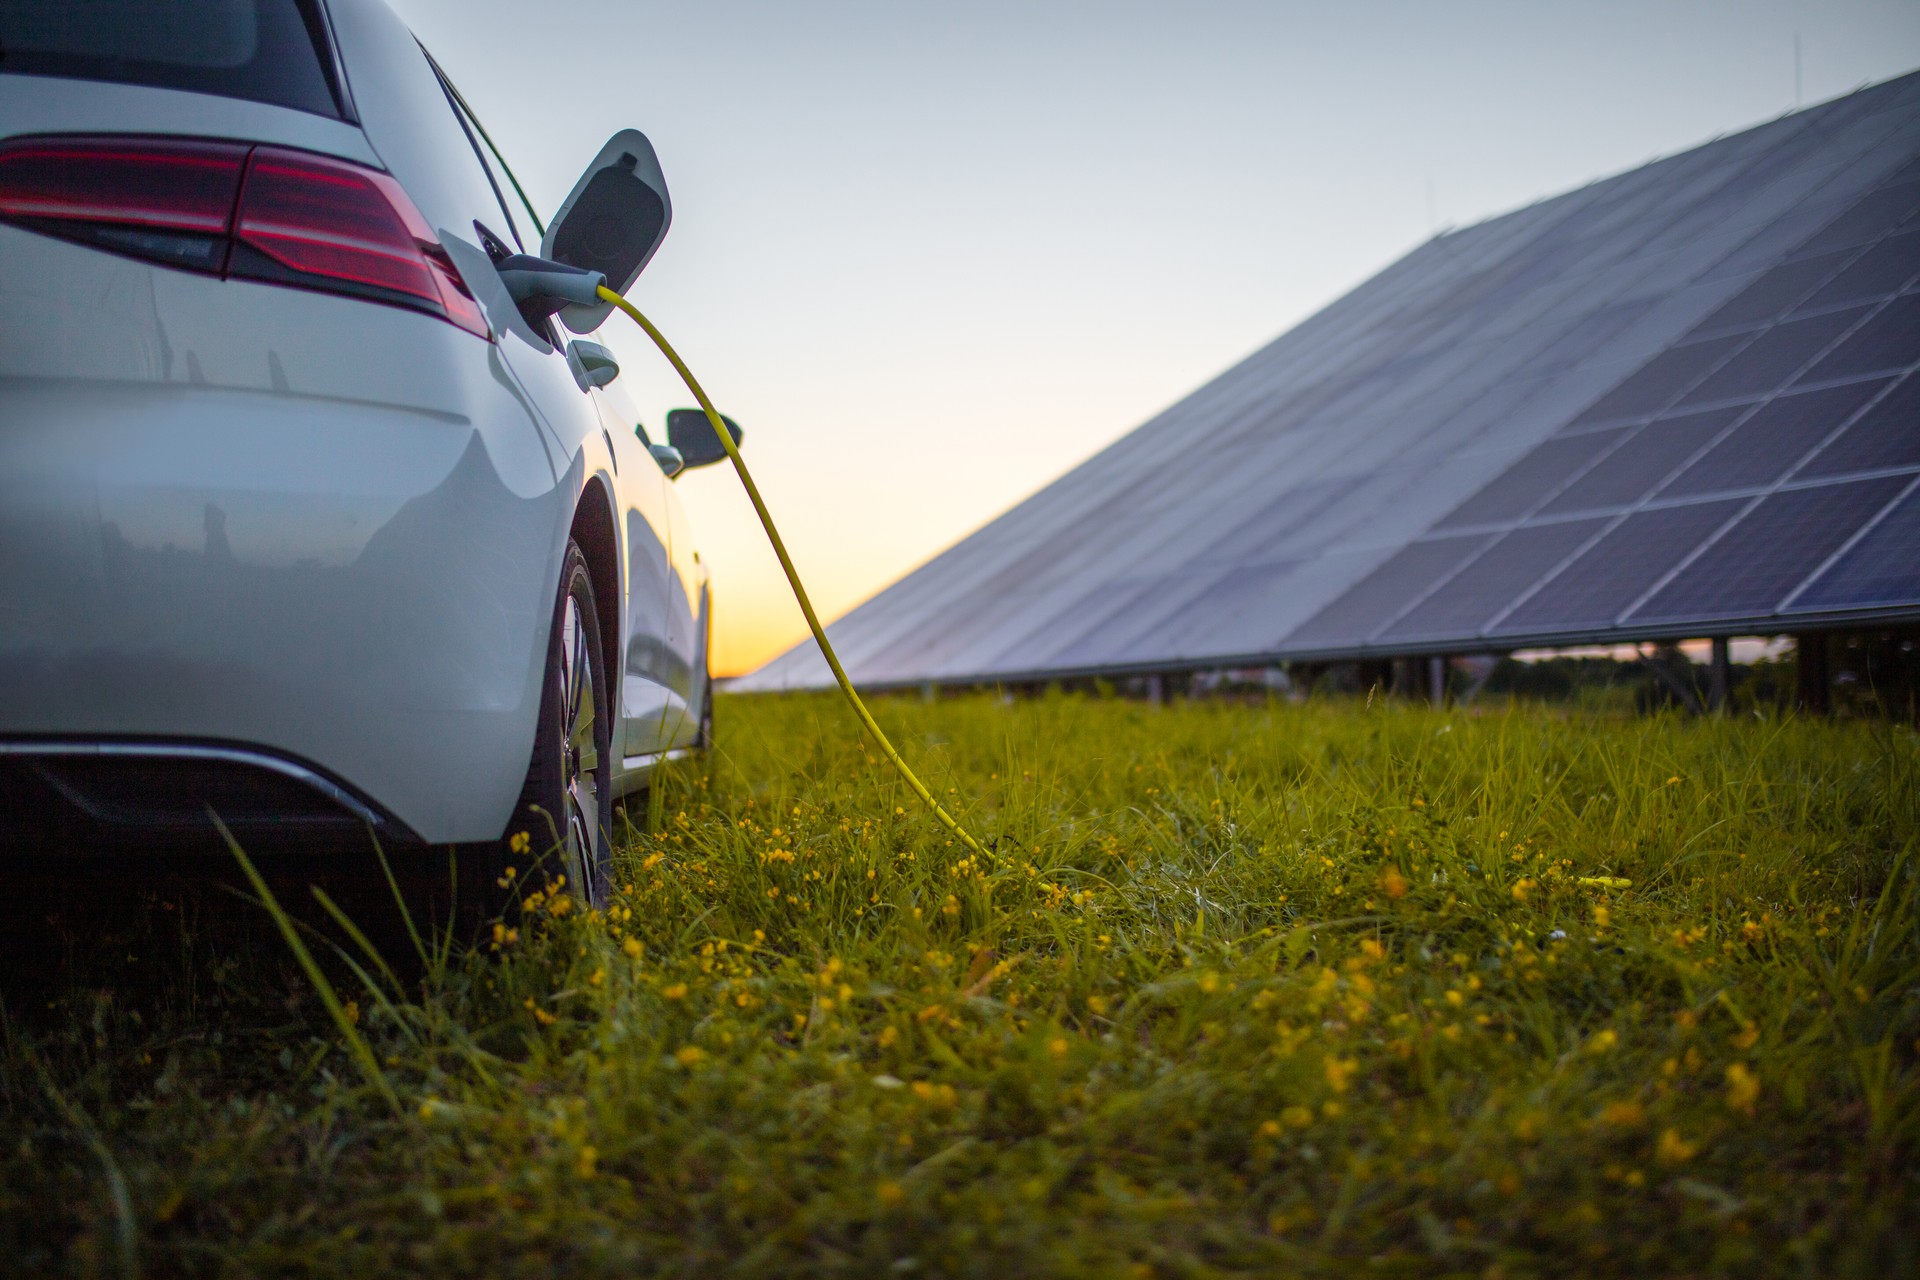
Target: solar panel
column 1655, row 384
column 1776, row 289
column 1887, row 435
column 1553, row 369
column 1773, row 358
column 1471, row 598
column 1883, row 568
column 1869, row 218
column 1889, row 341
column 1617, row 570
column 1769, row 551
column 1632, row 472
column 1881, row 271
column 1408, row 573
column 1519, row 488
column 1767, row 445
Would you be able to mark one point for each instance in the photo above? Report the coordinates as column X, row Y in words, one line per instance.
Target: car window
column 274, row 51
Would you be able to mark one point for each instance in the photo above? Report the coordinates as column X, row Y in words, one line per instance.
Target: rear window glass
column 263, row 50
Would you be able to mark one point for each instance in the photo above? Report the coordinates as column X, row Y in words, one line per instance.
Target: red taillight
column 261, row 213
column 181, row 186
column 337, row 221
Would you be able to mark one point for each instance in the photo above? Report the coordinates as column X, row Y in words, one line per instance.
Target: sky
column 930, row 256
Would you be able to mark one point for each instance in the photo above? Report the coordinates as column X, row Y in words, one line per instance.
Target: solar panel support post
column 1811, row 694
column 1663, row 661
column 1719, row 675
column 1437, row 680
column 1406, row 679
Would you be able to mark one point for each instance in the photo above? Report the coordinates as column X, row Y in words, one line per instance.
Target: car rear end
column 275, row 523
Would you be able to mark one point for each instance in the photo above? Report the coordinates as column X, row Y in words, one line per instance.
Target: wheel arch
column 599, row 540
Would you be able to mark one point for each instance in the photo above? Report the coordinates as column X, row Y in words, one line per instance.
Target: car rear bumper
column 267, row 519
column 347, row 585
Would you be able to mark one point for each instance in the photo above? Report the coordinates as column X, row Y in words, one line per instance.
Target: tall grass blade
column 363, row 1054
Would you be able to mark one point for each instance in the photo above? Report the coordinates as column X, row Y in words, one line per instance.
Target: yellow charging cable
column 793, row 577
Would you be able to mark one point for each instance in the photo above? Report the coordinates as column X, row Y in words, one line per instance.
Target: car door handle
column 592, row 364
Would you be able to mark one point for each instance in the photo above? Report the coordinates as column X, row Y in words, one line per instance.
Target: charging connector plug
column 541, row 287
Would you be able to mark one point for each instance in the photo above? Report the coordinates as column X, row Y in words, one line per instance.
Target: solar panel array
column 1682, row 401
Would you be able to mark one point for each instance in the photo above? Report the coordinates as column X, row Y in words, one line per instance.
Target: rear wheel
column 563, row 824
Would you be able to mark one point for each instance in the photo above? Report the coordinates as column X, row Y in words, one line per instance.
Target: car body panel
column 650, row 704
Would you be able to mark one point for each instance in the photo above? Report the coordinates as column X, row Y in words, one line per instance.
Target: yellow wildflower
column 688, row 1054
column 677, row 991
column 1743, row 1088
column 520, row 842
column 1297, row 1116
column 1622, row 1115
column 1673, row 1149
column 1601, row 1041
column 632, row 948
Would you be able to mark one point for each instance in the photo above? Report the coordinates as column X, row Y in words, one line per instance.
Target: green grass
column 1244, row 990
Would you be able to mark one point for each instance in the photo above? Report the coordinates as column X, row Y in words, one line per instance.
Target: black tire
column 565, row 811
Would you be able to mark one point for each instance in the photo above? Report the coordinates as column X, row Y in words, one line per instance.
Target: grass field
column 1326, row 989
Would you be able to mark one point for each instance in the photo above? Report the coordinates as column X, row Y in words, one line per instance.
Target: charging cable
column 786, row 564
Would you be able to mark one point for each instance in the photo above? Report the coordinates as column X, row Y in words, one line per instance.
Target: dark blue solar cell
column 1654, row 385
column 1617, row 570
column 1889, row 341
column 1768, row 445
column 1366, row 606
column 1769, row 552
column 1881, row 569
column 1519, row 488
column 1769, row 297
column 1466, row 602
column 1868, row 218
column 1636, row 468
column 1773, row 358
column 1887, row 435
column 1882, row 270
column 1908, row 172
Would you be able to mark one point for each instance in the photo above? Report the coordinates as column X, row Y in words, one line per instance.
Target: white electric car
column 312, row 511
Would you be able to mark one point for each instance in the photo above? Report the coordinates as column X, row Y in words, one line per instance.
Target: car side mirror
column 691, row 433
column 612, row 222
